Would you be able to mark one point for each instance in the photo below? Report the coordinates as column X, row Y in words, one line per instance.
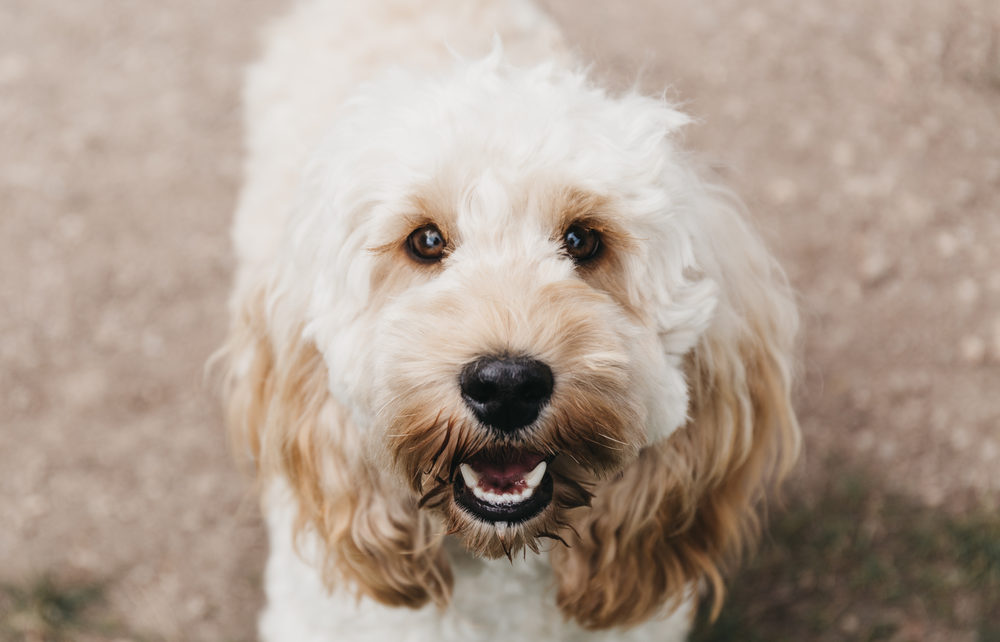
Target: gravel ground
column 865, row 138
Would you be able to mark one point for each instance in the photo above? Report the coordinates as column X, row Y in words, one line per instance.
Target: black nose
column 506, row 393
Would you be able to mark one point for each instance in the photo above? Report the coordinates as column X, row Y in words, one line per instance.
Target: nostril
column 506, row 392
column 478, row 389
column 537, row 385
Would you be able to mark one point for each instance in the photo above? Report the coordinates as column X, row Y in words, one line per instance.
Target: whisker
column 431, row 494
column 506, row 548
column 552, row 536
column 594, row 441
column 610, row 438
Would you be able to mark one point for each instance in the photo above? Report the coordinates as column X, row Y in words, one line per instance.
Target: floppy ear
column 280, row 411
column 688, row 506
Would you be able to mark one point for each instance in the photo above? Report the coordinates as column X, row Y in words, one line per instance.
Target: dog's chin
column 483, row 534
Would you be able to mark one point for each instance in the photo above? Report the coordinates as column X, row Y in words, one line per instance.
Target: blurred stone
column 872, row 185
column 196, row 607
column 875, row 267
column 967, row 291
column 981, row 255
column 914, row 210
column 153, row 344
column 972, row 349
column 84, row 387
column 12, row 69
column 962, row 192
column 941, row 418
column 850, row 624
column 34, row 506
column 72, row 227
column 802, row 133
column 960, row 438
column 915, row 140
column 842, row 154
column 947, row 244
column 753, row 21
column 735, row 108
column 782, row 190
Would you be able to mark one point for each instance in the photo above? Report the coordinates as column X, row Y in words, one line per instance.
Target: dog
column 506, row 365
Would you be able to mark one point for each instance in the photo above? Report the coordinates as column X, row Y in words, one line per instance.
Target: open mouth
column 509, row 486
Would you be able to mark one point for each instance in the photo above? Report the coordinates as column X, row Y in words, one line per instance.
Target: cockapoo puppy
column 506, row 366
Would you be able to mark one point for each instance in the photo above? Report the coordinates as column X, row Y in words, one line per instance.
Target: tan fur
column 281, row 412
column 687, row 507
column 607, row 272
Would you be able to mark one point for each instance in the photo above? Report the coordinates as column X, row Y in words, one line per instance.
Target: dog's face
column 508, row 375
column 503, row 296
column 502, row 292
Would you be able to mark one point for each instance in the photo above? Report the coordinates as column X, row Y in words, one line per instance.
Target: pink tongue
column 506, row 474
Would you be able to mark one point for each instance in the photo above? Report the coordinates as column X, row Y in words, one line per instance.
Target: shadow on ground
column 848, row 561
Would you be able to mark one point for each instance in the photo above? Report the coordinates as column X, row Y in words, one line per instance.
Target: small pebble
column 875, row 267
column 783, row 190
column 947, row 244
column 972, row 349
column 850, row 623
column 967, row 291
column 842, row 154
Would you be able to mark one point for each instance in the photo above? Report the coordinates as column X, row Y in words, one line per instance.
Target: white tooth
column 533, row 478
column 500, row 498
column 469, row 475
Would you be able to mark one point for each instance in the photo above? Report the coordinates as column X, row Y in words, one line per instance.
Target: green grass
column 48, row 609
column 854, row 563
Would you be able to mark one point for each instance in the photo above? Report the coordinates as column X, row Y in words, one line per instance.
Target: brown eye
column 426, row 243
column 581, row 243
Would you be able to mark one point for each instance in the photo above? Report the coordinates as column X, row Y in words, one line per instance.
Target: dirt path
column 865, row 138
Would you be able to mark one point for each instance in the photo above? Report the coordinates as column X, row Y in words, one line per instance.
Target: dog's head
column 503, row 298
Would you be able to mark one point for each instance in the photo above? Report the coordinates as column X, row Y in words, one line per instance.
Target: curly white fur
column 367, row 120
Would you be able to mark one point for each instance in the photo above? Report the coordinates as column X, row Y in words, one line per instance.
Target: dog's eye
column 581, row 243
column 426, row 243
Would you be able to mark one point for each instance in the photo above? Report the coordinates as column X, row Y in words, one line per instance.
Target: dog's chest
column 502, row 598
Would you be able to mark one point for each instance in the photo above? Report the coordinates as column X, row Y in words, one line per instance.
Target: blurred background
column 864, row 137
